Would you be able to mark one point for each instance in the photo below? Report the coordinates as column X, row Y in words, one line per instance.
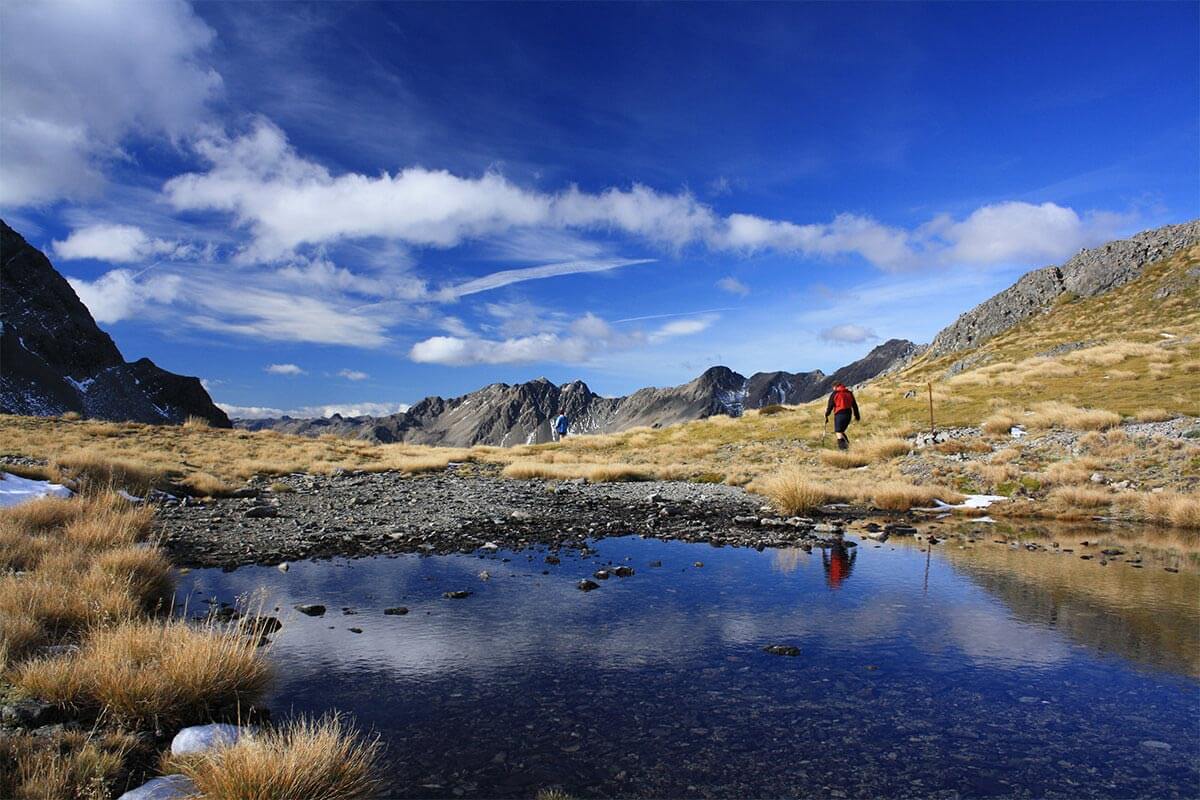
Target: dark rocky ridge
column 1088, row 273
column 55, row 359
column 504, row 414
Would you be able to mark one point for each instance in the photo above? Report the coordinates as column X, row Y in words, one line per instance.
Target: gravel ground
column 363, row 514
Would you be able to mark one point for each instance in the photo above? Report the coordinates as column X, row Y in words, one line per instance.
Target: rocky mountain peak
column 54, row 358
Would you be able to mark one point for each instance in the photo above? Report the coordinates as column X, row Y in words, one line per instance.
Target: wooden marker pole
column 930, row 385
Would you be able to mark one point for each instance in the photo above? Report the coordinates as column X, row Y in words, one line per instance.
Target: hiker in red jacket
column 841, row 404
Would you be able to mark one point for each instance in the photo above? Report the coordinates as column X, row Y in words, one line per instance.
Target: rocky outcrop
column 55, row 359
column 1090, row 272
column 504, row 414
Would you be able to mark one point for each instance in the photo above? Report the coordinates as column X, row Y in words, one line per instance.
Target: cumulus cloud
column 283, row 369
column 848, row 334
column 118, row 244
column 120, row 294
column 353, row 375
column 132, row 68
column 733, row 286
column 288, row 202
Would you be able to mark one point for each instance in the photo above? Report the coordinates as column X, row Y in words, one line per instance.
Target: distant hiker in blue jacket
column 561, row 423
column 841, row 404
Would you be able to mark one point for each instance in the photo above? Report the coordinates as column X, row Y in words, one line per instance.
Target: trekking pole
column 930, row 385
column 824, row 431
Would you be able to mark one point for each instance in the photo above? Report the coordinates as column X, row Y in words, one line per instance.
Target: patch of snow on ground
column 15, row 490
column 974, row 501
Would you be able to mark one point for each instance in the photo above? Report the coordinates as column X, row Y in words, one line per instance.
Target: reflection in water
column 657, row 684
column 838, row 563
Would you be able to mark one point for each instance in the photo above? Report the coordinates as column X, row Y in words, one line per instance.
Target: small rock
column 283, row 566
column 484, row 575
column 199, row 738
column 655, row 563
column 26, row 713
column 355, row 630
column 553, row 560
column 698, row 564
column 782, row 650
column 459, row 594
column 623, row 571
column 600, row 574
column 586, row 586
column 262, row 626
column 395, row 611
column 311, row 609
column 261, row 512
column 1151, row 744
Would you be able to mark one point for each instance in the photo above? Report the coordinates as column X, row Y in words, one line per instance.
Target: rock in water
column 460, row 594
column 395, row 611
column 586, row 586
column 782, row 650
column 311, row 609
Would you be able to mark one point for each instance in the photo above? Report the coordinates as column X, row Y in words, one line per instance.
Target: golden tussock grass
column 792, row 491
column 143, row 672
column 31, row 471
column 596, row 473
column 1072, row 498
column 1153, row 415
column 316, row 760
column 901, row 496
column 998, row 424
column 1173, row 508
column 205, row 484
column 193, row 422
column 845, row 459
column 72, row 764
column 94, row 471
column 1006, row 456
column 1056, row 414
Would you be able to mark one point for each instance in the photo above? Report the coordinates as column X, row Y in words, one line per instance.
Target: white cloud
column 848, row 334
column 119, row 294
column 577, row 342
column 1015, row 232
column 289, row 202
column 283, row 369
column 250, row 412
column 353, row 375
column 733, row 286
column 684, row 327
column 118, row 244
column 79, row 77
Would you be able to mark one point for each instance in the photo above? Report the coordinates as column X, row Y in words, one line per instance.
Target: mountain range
column 54, row 359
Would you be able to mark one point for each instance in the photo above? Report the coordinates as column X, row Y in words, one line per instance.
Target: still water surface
column 977, row 672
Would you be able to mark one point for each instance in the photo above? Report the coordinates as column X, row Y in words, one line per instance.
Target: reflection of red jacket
column 839, row 568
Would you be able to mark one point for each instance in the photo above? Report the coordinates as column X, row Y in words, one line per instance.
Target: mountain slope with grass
column 54, row 359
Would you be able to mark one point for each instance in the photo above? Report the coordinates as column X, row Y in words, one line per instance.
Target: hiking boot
column 843, row 444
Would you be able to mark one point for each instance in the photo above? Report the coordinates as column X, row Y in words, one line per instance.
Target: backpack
column 843, row 400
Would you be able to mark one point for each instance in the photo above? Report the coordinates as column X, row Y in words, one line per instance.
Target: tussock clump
column 792, row 492
column 901, row 496
column 71, row 764
column 998, row 424
column 774, row 408
column 596, row 473
column 845, row 459
column 205, row 484
column 95, row 472
column 33, row 472
column 1154, row 415
column 196, row 423
column 1056, row 414
column 315, row 760
column 148, row 672
column 1173, row 508
column 1073, row 498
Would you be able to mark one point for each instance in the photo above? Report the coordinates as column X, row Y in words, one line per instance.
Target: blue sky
column 346, row 206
